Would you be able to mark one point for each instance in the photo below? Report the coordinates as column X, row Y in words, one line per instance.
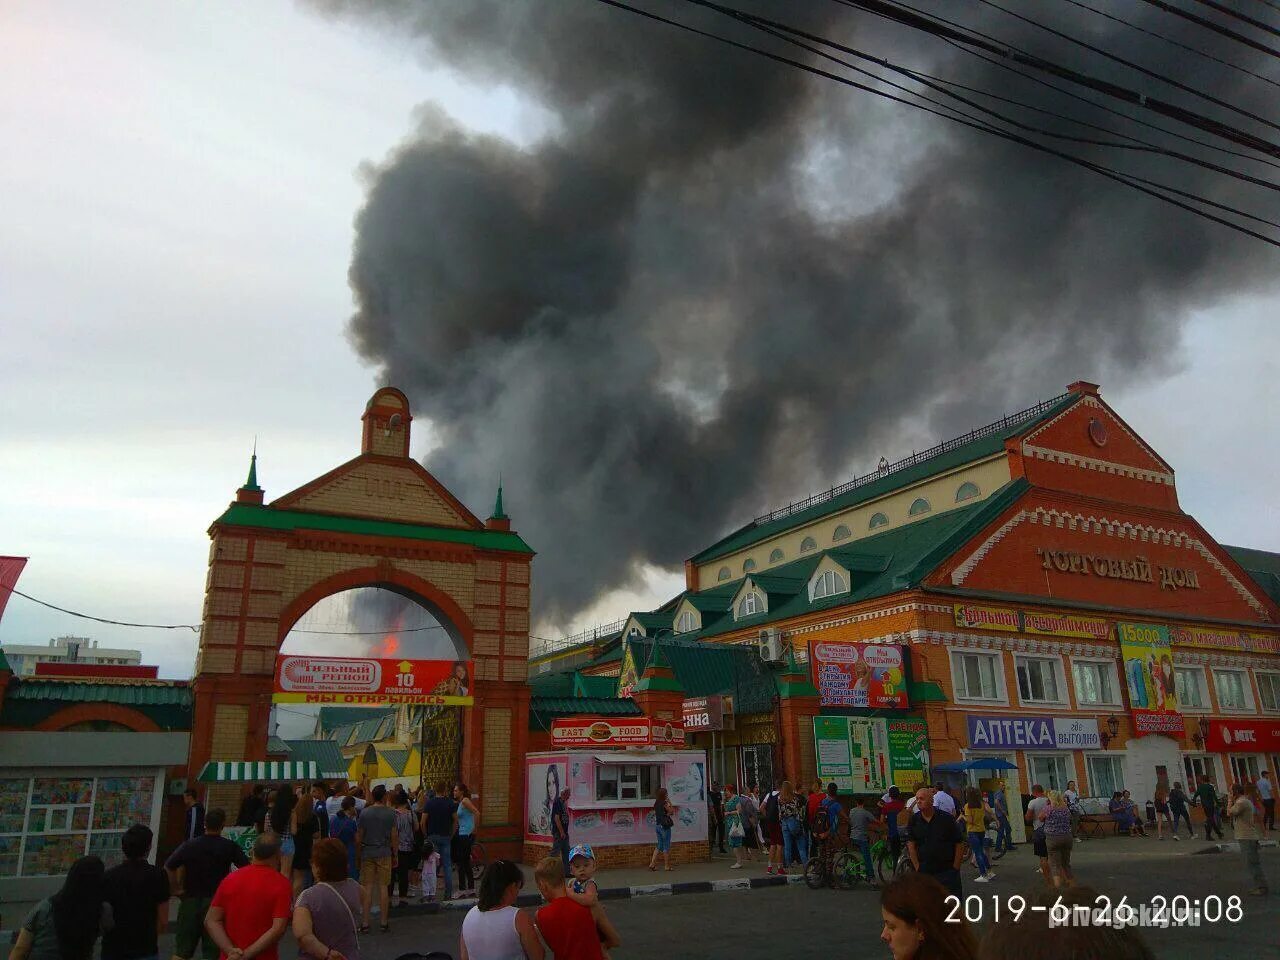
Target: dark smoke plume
column 721, row 282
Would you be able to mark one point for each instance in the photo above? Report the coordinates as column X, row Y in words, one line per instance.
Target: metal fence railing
column 543, row 647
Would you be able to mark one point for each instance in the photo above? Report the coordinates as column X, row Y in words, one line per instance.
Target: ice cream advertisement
column 859, row 675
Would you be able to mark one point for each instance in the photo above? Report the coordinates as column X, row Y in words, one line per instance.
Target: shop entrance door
column 757, row 766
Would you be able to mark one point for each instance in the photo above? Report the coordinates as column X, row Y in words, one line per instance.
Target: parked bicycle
column 844, row 871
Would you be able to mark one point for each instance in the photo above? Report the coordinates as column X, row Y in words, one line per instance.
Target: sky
column 179, row 185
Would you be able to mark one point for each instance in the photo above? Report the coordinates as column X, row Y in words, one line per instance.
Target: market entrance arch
column 380, row 519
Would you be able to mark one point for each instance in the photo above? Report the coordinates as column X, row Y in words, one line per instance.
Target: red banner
column 616, row 732
column 10, row 570
column 360, row 681
column 1157, row 721
column 1243, row 736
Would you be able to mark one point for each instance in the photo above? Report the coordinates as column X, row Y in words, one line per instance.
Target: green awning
column 261, row 771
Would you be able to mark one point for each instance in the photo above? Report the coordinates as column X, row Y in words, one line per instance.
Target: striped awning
column 260, row 771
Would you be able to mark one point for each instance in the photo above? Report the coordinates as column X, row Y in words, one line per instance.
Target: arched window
column 686, row 621
column 807, row 544
column 775, row 555
column 751, row 603
column 842, row 533
column 828, row 584
column 967, row 491
column 919, row 505
column 748, row 565
column 877, row 520
column 724, row 574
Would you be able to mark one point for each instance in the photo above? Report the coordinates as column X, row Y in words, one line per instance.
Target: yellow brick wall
column 230, row 729
column 517, row 573
column 486, row 644
column 267, row 578
column 219, row 631
column 222, row 604
column 515, row 669
column 487, row 593
column 260, row 634
column 257, row 661
column 228, row 548
column 269, row 551
column 517, row 596
column 487, row 569
column 264, row 604
column 495, row 797
column 384, row 492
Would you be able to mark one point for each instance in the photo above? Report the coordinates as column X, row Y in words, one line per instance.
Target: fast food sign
column 612, row 732
column 366, row 681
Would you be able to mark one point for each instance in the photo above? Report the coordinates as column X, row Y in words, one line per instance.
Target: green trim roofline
column 274, row 518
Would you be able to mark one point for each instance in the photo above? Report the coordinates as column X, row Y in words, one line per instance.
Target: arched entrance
column 381, row 520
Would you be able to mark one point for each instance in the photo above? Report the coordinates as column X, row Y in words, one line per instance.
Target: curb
column 619, row 893
column 1231, row 846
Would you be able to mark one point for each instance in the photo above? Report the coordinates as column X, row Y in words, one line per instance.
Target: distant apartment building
column 24, row 657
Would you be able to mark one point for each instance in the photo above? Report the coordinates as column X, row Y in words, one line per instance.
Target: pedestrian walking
column 439, row 823
column 1059, row 838
column 376, row 845
column 1164, row 814
column 914, row 911
column 1207, row 796
column 1246, row 824
column 343, row 828
column 664, row 813
column 324, row 916
column 1072, row 797
column 736, row 830
column 1038, row 803
column 560, row 828
column 976, row 811
column 281, row 824
column 195, row 870
column 1267, row 791
column 468, row 816
column 795, row 842
column 319, row 798
column 252, row 806
column 1178, row 808
column 138, row 894
column 771, row 821
column 749, row 813
column 253, row 906
column 934, row 842
column 306, row 829
column 194, row 815
column 1004, row 829
column 406, row 855
column 66, row 925
column 813, row 803
column 494, row 929
column 567, row 927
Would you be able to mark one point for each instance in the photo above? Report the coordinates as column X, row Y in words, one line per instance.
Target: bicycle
column 845, row 871
column 882, row 860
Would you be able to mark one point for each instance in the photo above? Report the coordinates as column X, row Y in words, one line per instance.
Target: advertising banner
column 987, row 618
column 870, row 740
column 834, row 752
column 359, row 681
column 1066, row 625
column 1149, row 677
column 908, row 740
column 703, row 713
column 629, row 676
column 1033, row 733
column 1243, row 736
column 1222, row 639
column 859, row 675
column 614, row 732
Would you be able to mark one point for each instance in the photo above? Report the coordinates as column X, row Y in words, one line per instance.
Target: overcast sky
column 178, row 184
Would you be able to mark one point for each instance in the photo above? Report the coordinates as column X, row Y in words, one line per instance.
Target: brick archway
column 135, row 720
column 379, row 519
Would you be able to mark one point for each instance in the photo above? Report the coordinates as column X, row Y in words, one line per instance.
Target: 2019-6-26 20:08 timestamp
column 1159, row 911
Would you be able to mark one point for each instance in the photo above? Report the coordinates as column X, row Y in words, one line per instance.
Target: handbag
column 736, row 832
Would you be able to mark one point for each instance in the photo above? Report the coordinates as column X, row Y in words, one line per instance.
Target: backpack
column 771, row 810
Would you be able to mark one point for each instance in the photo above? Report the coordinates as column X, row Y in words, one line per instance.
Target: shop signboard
column 908, row 740
column 834, row 752
column 987, row 618
column 1149, row 677
column 859, row 675
column 359, row 681
column 1232, row 640
column 613, row 732
column 1065, row 625
column 1243, row 736
column 703, row 713
column 1020, row 732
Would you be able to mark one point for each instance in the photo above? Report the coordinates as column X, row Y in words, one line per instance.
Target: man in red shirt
column 250, row 911
column 566, row 926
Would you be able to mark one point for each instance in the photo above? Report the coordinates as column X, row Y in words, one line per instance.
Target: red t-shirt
column 251, row 899
column 570, row 930
column 815, row 801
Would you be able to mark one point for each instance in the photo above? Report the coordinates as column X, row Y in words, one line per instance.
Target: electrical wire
column 1243, row 17
column 194, row 628
column 1214, row 27
column 1142, row 185
column 1171, row 41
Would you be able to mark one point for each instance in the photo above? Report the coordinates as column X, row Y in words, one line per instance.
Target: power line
column 1170, row 40
column 1245, row 18
column 1142, row 185
column 1215, row 27
column 195, row 628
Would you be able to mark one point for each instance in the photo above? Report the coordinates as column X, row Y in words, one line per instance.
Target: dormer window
column 686, row 622
column 878, row 520
column 775, row 555
column 807, row 544
column 750, row 604
column 842, row 533
column 828, row 584
column 919, row 505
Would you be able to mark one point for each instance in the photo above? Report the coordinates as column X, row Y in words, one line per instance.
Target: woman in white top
column 494, row 929
column 1244, row 817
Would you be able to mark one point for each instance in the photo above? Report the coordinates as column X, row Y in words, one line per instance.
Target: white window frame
column 628, row 779
column 1115, row 700
column 687, row 622
column 1247, row 688
column 913, row 512
column 957, row 671
column 839, row 584
column 756, row 600
column 1063, row 757
column 977, row 491
column 1202, row 685
column 1237, row 761
column 1273, row 677
column 1060, row 680
column 1113, row 757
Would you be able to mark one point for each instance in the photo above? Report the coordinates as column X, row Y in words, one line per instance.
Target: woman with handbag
column 324, row 916
column 735, row 829
column 663, row 820
column 975, row 815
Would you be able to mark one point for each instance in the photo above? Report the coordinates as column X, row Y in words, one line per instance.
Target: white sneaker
column 1177, row 839
column 986, row 879
column 735, row 866
column 991, row 874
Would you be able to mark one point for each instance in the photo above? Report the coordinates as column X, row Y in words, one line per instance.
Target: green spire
column 497, row 506
column 252, row 482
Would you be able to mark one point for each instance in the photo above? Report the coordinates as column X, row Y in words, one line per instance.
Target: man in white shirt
column 1038, row 803
column 1267, row 791
column 942, row 801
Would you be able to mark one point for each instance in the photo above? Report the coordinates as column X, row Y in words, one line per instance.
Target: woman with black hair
column 67, row 925
column 494, row 929
column 281, row 822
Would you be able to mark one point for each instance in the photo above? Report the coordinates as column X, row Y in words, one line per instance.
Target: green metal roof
column 325, row 753
column 29, row 700
column 707, row 669
column 333, row 717
column 584, row 686
column 553, row 684
column 987, row 441
column 275, row 518
column 1262, row 566
column 396, row 759
column 542, row 710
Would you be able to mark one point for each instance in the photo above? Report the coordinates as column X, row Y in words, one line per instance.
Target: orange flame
column 390, row 645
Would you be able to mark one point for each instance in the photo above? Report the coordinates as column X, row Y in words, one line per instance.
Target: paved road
column 798, row 922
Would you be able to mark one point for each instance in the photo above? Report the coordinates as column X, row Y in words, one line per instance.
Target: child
column 583, row 890
column 430, row 866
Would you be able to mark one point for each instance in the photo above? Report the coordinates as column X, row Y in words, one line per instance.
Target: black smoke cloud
column 721, row 282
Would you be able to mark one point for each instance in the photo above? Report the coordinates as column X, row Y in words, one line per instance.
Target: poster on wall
column 853, row 753
column 544, row 779
column 1149, row 678
column 859, row 675
column 908, row 740
column 833, row 752
column 365, row 680
column 629, row 675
